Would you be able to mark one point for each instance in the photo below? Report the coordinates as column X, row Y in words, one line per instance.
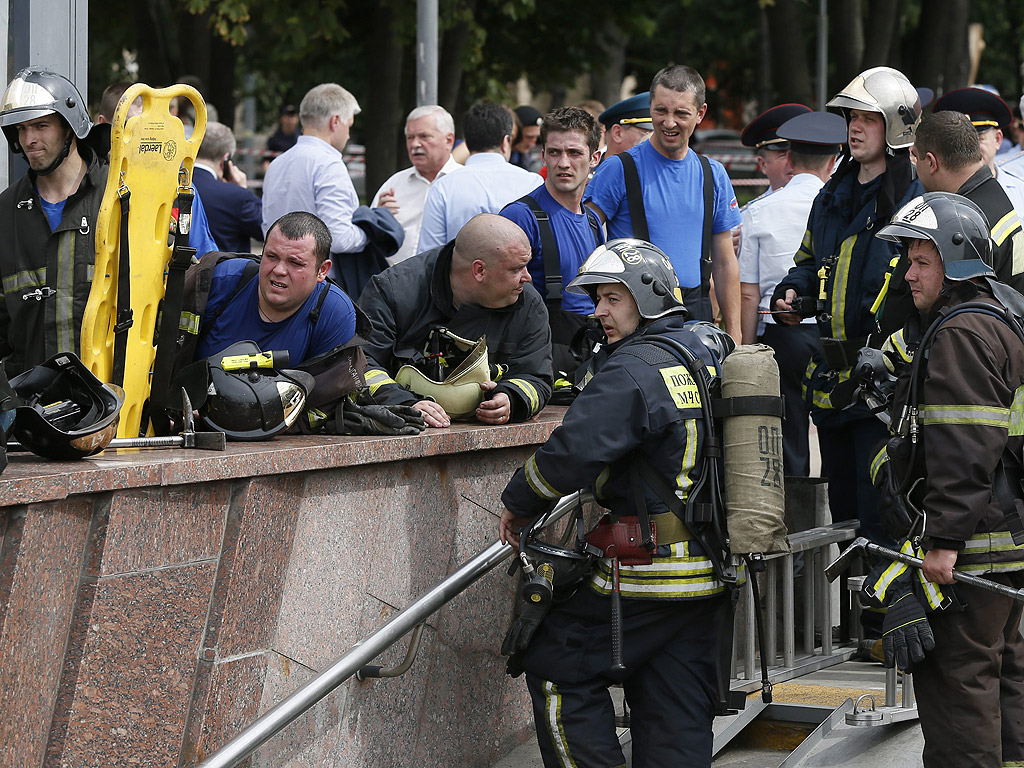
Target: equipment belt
column 671, row 529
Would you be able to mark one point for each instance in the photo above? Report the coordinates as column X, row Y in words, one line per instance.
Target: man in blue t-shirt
column 288, row 305
column 672, row 186
column 569, row 139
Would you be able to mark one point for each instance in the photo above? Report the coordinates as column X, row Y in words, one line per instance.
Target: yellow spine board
column 147, row 153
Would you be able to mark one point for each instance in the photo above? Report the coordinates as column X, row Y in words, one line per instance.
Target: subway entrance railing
column 809, row 555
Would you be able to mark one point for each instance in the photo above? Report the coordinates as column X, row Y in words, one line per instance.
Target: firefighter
column 953, row 478
column 840, row 263
column 48, row 218
column 636, row 435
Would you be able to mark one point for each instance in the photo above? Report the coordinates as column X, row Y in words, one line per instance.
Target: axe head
column 842, row 562
column 206, row 441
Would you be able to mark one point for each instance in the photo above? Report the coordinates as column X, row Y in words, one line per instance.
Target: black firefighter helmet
column 65, row 411
column 641, row 267
column 237, row 394
column 955, row 225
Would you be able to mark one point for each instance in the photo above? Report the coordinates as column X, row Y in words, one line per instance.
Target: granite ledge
column 30, row 479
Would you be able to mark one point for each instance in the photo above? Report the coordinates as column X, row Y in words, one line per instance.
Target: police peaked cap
column 984, row 108
column 528, row 115
column 761, row 133
column 636, row 110
column 815, row 133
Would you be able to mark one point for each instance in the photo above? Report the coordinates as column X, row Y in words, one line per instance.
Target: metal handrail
column 292, row 707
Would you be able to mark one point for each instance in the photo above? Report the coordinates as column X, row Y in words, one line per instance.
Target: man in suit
column 234, row 212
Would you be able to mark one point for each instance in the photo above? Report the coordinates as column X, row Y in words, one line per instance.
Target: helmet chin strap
column 60, row 158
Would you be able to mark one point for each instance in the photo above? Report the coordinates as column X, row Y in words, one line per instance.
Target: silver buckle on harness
column 39, row 293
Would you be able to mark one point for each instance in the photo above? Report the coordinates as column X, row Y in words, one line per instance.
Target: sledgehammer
column 842, row 562
column 189, row 438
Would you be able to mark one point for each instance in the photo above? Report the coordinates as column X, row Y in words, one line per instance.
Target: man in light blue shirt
column 485, row 184
column 311, row 175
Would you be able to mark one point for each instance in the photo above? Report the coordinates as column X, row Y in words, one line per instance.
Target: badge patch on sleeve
column 681, row 386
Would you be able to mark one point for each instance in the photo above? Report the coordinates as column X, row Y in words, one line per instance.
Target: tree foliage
column 750, row 54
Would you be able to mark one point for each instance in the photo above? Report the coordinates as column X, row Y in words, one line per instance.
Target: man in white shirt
column 429, row 136
column 311, row 175
column 486, row 184
column 773, row 227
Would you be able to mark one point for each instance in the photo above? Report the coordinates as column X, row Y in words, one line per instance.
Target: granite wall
column 153, row 603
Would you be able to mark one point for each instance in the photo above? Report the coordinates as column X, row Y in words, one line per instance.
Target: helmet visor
column 21, row 94
column 600, row 267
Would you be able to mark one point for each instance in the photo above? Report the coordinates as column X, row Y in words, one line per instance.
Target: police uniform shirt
column 773, row 227
column 1013, row 186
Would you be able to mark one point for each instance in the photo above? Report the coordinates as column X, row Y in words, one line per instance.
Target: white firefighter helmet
column 460, row 393
column 888, row 91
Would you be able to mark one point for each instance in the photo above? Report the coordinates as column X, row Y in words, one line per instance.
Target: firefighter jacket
column 46, row 276
column 642, row 404
column 406, row 302
column 840, row 242
column 969, row 415
column 984, row 191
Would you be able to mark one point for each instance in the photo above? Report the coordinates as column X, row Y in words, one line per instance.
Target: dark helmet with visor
column 65, row 412
column 956, row 226
column 640, row 266
column 246, row 402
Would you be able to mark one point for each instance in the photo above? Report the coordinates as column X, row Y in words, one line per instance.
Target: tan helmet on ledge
column 460, row 393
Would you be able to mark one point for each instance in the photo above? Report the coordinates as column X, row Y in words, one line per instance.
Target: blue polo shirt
column 240, row 320
column 673, row 192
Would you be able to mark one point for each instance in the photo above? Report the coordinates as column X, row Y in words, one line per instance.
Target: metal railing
column 817, row 610
column 816, row 603
column 292, row 707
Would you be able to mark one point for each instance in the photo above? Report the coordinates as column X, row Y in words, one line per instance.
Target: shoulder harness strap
column 549, row 253
column 634, row 197
column 709, row 214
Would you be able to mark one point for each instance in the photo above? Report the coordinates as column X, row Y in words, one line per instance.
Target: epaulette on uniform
column 760, row 197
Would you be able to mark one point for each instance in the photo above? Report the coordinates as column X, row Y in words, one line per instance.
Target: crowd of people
column 590, row 256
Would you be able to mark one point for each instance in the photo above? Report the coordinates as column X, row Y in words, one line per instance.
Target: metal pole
column 822, row 53
column 426, row 52
column 788, row 622
column 283, row 713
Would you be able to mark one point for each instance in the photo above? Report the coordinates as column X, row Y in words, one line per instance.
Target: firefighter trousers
column 669, row 650
column 970, row 687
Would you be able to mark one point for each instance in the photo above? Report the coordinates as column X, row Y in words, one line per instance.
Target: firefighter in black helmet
column 47, row 219
column 953, row 478
column 641, row 414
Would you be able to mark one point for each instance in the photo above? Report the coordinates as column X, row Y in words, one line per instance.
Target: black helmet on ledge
column 641, row 267
column 235, row 394
column 65, row 412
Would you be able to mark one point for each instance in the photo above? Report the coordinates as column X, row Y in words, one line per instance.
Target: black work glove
column 380, row 420
column 906, row 634
column 519, row 635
